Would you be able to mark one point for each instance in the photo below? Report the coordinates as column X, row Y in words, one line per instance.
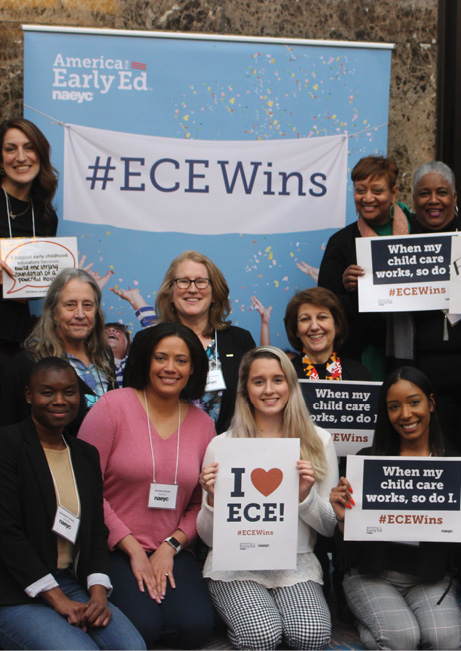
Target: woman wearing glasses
column 194, row 292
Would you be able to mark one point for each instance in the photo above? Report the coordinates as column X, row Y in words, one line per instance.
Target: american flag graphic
column 138, row 66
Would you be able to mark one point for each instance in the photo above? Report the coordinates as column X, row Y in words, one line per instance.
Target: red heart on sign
column 266, row 481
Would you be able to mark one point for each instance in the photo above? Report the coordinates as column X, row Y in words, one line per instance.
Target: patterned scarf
column 399, row 224
column 334, row 369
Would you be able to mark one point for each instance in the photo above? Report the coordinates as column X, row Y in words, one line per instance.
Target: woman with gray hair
column 434, row 198
column 433, row 343
column 72, row 327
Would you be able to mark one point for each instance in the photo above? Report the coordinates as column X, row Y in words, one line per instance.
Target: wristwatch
column 171, row 540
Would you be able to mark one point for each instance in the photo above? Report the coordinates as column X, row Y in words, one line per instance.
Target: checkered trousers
column 260, row 618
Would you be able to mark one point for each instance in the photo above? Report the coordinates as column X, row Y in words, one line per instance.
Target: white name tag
column 163, row 496
column 66, row 524
column 215, row 380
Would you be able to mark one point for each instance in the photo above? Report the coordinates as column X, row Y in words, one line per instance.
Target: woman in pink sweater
column 151, row 443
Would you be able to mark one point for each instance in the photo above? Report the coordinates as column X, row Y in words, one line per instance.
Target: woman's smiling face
column 316, row 330
column 192, row 303
column 373, row 199
column 267, row 386
column 409, row 411
column 434, row 201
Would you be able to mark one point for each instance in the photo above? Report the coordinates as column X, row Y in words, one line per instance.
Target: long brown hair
column 45, row 183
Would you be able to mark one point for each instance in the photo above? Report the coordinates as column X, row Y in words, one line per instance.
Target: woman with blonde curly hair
column 262, row 608
column 195, row 293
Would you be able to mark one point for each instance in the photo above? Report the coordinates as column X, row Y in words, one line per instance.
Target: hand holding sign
column 208, row 480
column 34, row 263
column 350, row 277
column 341, row 498
column 306, row 478
column 7, row 269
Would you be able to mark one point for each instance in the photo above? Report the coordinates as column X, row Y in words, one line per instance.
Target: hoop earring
column 392, row 211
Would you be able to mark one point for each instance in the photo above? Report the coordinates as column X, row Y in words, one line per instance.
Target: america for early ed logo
column 80, row 79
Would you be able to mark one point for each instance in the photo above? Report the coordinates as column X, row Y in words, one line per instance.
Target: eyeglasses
column 185, row 283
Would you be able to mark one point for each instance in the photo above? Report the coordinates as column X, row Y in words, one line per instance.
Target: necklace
column 13, row 215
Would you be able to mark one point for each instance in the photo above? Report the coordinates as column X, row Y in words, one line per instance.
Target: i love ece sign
column 256, row 504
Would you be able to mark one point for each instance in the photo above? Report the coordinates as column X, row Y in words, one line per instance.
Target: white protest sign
column 455, row 275
column 404, row 499
column 405, row 273
column 256, row 504
column 36, row 262
column 345, row 409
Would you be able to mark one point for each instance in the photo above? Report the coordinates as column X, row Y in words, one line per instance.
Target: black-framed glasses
column 185, row 283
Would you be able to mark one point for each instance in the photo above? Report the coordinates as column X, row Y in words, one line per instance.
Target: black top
column 233, row 343
column 28, row 549
column 440, row 359
column 429, row 561
column 364, row 327
column 15, row 320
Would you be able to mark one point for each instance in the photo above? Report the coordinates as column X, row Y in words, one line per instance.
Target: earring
column 2, row 171
column 392, row 211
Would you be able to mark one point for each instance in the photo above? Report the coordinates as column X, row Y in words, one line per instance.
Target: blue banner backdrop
column 210, row 88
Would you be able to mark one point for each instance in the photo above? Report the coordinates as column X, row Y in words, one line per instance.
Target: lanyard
column 152, row 447
column 214, row 363
column 73, row 477
column 8, row 211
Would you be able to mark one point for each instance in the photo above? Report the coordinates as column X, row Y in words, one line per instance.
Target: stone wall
column 410, row 24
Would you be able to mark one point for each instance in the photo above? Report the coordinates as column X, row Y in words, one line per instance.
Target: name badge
column 163, row 496
column 215, row 380
column 66, row 524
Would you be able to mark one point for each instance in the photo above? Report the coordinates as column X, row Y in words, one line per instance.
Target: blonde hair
column 220, row 306
column 297, row 422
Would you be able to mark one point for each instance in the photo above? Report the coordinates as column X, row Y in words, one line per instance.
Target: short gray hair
column 435, row 167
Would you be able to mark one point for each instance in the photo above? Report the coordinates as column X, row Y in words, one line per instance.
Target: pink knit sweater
column 117, row 426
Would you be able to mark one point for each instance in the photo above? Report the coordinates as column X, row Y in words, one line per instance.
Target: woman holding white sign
column 28, row 184
column 403, row 595
column 435, row 335
column 261, row 608
column 379, row 213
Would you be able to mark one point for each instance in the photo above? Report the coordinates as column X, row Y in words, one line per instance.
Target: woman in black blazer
column 53, row 550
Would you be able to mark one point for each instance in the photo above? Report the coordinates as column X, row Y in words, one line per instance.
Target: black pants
column 185, row 617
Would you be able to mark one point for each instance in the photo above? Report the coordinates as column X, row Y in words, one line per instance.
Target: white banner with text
column 150, row 183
